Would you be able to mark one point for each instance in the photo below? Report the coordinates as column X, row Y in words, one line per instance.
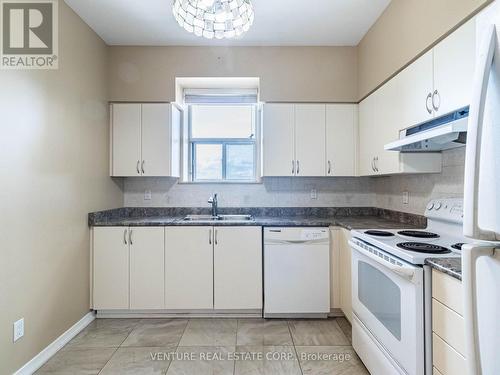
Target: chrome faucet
column 213, row 201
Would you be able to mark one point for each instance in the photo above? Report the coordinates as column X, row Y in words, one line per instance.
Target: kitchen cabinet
column 110, row 268
column 145, row 140
column 278, row 140
column 237, row 268
column 340, row 255
column 147, row 268
column 294, row 140
column 454, row 67
column 341, row 139
column 448, row 326
column 437, row 83
column 310, row 153
column 128, row 268
column 189, row 268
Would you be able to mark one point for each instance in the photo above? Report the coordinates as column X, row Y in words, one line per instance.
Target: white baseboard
column 41, row 358
column 252, row 313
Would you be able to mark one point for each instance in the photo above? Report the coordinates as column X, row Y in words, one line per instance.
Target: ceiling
column 277, row 22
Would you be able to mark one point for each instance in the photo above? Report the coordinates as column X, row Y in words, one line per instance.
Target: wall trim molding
column 41, row 358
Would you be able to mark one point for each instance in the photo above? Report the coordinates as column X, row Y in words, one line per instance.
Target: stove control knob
column 430, row 206
column 437, row 207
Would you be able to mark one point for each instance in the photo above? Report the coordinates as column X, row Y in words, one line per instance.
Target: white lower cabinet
column 340, row 255
column 128, row 268
column 177, row 268
column 189, row 268
column 110, row 268
column 237, row 268
column 147, row 268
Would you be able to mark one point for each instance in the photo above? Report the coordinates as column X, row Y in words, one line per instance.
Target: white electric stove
column 391, row 289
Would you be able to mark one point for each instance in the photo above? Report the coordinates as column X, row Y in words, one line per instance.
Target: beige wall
column 405, row 30
column 323, row 74
column 54, row 162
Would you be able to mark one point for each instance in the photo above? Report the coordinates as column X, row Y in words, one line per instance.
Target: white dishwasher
column 296, row 272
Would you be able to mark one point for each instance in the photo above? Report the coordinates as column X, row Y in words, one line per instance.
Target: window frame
column 224, row 142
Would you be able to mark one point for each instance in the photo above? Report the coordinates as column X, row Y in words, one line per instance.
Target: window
column 222, row 140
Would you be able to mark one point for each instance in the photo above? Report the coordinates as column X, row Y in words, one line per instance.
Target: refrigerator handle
column 474, row 133
column 470, row 254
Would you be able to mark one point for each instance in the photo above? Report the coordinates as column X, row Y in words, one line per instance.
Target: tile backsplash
column 382, row 192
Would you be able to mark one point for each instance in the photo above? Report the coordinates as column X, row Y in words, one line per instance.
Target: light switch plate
column 147, row 195
column 406, row 197
column 18, row 329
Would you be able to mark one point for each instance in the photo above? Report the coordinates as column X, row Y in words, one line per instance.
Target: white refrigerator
column 481, row 258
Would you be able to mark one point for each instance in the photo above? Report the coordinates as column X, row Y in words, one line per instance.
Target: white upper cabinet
column 341, row 135
column 145, row 140
column 126, row 139
column 278, row 140
column 411, row 94
column 454, row 65
column 310, row 145
column 307, row 140
column 367, row 131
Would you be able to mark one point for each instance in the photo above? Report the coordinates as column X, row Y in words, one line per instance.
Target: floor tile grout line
column 294, row 347
column 110, row 358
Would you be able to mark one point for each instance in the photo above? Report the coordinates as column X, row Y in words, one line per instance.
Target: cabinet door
column 409, row 101
column 367, row 132
column 147, row 268
column 126, row 139
column 345, row 273
column 278, row 140
column 111, row 268
column 189, row 268
column 454, row 64
column 238, row 268
column 341, row 133
column 156, row 139
column 310, row 144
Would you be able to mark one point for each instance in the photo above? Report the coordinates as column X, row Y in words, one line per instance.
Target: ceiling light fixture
column 214, row 18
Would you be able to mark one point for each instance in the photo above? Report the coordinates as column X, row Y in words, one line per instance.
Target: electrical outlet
column 147, row 195
column 406, row 197
column 18, row 329
column 314, row 194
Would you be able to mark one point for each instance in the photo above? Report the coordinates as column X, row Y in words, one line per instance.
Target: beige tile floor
column 209, row 347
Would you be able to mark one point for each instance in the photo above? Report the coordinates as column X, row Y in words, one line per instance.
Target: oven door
column 387, row 297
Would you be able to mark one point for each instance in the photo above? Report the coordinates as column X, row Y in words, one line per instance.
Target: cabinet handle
column 298, row 167
column 293, row 167
column 137, row 167
column 329, row 167
column 427, row 106
column 376, row 166
column 373, row 164
column 125, row 237
column 130, row 237
column 210, row 237
column 436, row 95
column 142, row 166
column 216, row 240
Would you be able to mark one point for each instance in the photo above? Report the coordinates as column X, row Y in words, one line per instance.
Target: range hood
column 442, row 133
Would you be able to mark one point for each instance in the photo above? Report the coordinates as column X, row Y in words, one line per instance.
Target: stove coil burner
column 379, row 233
column 418, row 234
column 423, row 248
column 458, row 246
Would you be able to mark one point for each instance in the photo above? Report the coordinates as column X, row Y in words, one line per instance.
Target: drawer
column 448, row 291
column 446, row 359
column 449, row 326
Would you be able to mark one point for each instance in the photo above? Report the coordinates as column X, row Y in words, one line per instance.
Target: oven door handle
column 405, row 272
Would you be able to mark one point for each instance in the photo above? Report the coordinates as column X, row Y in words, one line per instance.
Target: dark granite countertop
column 349, row 218
column 450, row 266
